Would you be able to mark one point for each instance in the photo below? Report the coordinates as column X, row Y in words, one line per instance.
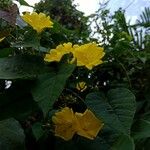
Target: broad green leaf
column 37, row 130
column 116, row 109
column 124, row 142
column 23, row 2
column 21, row 67
column 79, row 143
column 49, row 86
column 96, row 144
column 11, row 135
column 141, row 129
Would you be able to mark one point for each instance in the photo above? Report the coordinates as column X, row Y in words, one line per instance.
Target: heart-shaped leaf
column 116, row 109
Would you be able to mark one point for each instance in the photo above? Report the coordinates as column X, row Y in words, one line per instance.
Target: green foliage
column 11, row 135
column 124, row 142
column 140, row 129
column 22, row 2
column 116, row 109
column 32, row 90
column 5, row 3
column 71, row 24
column 37, row 130
column 145, row 17
column 21, row 67
column 49, row 86
column 28, row 40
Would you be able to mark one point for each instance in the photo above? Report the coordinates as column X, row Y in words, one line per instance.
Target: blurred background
column 132, row 7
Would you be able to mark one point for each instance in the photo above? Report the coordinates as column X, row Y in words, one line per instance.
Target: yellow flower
column 84, row 124
column 88, row 55
column 89, row 124
column 81, row 86
column 65, row 123
column 53, row 56
column 38, row 21
column 57, row 54
column 1, row 39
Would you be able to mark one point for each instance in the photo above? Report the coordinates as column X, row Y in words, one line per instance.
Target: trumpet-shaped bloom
column 68, row 123
column 81, row 86
column 89, row 124
column 88, row 55
column 65, row 123
column 57, row 54
column 38, row 21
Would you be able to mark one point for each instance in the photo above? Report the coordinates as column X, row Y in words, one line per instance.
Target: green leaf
column 30, row 41
column 37, row 130
column 141, row 129
column 5, row 52
column 124, row 142
column 11, row 135
column 21, row 67
column 80, row 143
column 22, row 2
column 49, row 86
column 116, row 109
column 96, row 144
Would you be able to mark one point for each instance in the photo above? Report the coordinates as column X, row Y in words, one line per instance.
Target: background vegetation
column 118, row 91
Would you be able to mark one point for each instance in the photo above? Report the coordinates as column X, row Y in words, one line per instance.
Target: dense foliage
column 59, row 96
